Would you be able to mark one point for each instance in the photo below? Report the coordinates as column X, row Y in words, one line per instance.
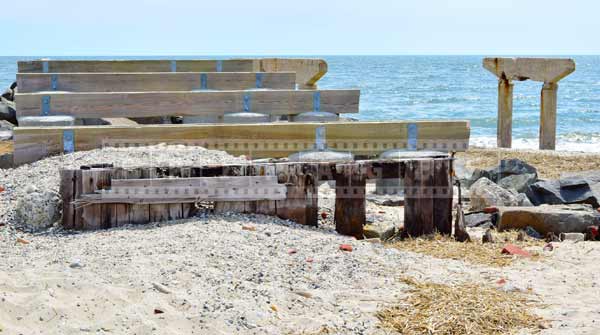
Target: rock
column 572, row 190
column 6, row 161
column 76, row 264
column 386, row 200
column 37, row 209
column 531, row 232
column 5, row 125
column 574, row 237
column 485, row 193
column 488, row 237
column 8, row 111
column 518, row 182
column 477, row 219
column 161, row 288
column 506, row 168
column 381, row 229
column 548, row 218
column 523, row 200
column 6, row 135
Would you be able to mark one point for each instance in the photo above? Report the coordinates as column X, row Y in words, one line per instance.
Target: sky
column 306, row 27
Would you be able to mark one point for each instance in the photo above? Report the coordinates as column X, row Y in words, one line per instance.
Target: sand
column 280, row 278
column 209, row 275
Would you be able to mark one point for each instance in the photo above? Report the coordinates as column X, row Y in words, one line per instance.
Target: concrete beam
column 546, row 70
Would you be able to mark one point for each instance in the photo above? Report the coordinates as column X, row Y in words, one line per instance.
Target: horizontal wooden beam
column 254, row 140
column 146, row 104
column 153, row 82
column 188, row 190
column 308, row 71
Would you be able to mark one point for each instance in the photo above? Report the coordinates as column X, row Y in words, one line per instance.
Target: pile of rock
column 510, row 196
column 504, row 185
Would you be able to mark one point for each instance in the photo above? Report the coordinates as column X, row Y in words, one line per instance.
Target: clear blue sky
column 319, row 27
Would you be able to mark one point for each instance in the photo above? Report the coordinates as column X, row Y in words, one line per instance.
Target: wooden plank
column 92, row 215
column 152, row 191
column 231, row 206
column 121, row 215
column 204, row 182
column 350, row 207
column 442, row 197
column 252, row 140
column 67, row 193
column 152, row 82
column 267, row 207
column 308, row 71
column 191, row 103
column 138, row 214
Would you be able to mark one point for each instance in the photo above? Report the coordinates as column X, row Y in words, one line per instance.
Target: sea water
column 447, row 87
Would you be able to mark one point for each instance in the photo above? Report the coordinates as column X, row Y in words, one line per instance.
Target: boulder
column 37, row 209
column 524, row 200
column 507, row 167
column 549, row 218
column 510, row 167
column 518, row 182
column 478, row 219
column 485, row 193
column 6, row 160
column 6, row 135
column 381, row 229
column 571, row 190
column 5, row 125
column 8, row 111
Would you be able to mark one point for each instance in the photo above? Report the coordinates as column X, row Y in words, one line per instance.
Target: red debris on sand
column 490, row 210
column 324, row 215
column 310, row 260
column 158, row 311
column 549, row 247
column 501, row 281
column 2, row 189
column 592, row 232
column 345, row 247
column 292, row 251
column 512, row 249
column 250, row 228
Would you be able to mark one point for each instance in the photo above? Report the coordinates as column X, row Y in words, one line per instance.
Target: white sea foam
column 572, row 144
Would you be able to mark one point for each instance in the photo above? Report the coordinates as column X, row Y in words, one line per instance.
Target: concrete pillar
column 505, row 109
column 548, row 116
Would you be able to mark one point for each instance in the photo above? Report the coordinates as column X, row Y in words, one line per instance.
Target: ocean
column 448, row 87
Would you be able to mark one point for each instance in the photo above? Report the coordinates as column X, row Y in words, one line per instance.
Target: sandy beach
column 247, row 274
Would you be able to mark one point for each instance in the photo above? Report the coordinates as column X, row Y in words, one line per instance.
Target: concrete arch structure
column 546, row 70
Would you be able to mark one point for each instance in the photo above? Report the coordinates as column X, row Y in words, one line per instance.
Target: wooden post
column 442, row 196
column 548, row 116
column 428, row 197
column 68, row 182
column 301, row 204
column 418, row 200
column 350, row 208
column 505, row 109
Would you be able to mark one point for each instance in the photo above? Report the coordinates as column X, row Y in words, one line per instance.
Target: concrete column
column 505, row 109
column 548, row 116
